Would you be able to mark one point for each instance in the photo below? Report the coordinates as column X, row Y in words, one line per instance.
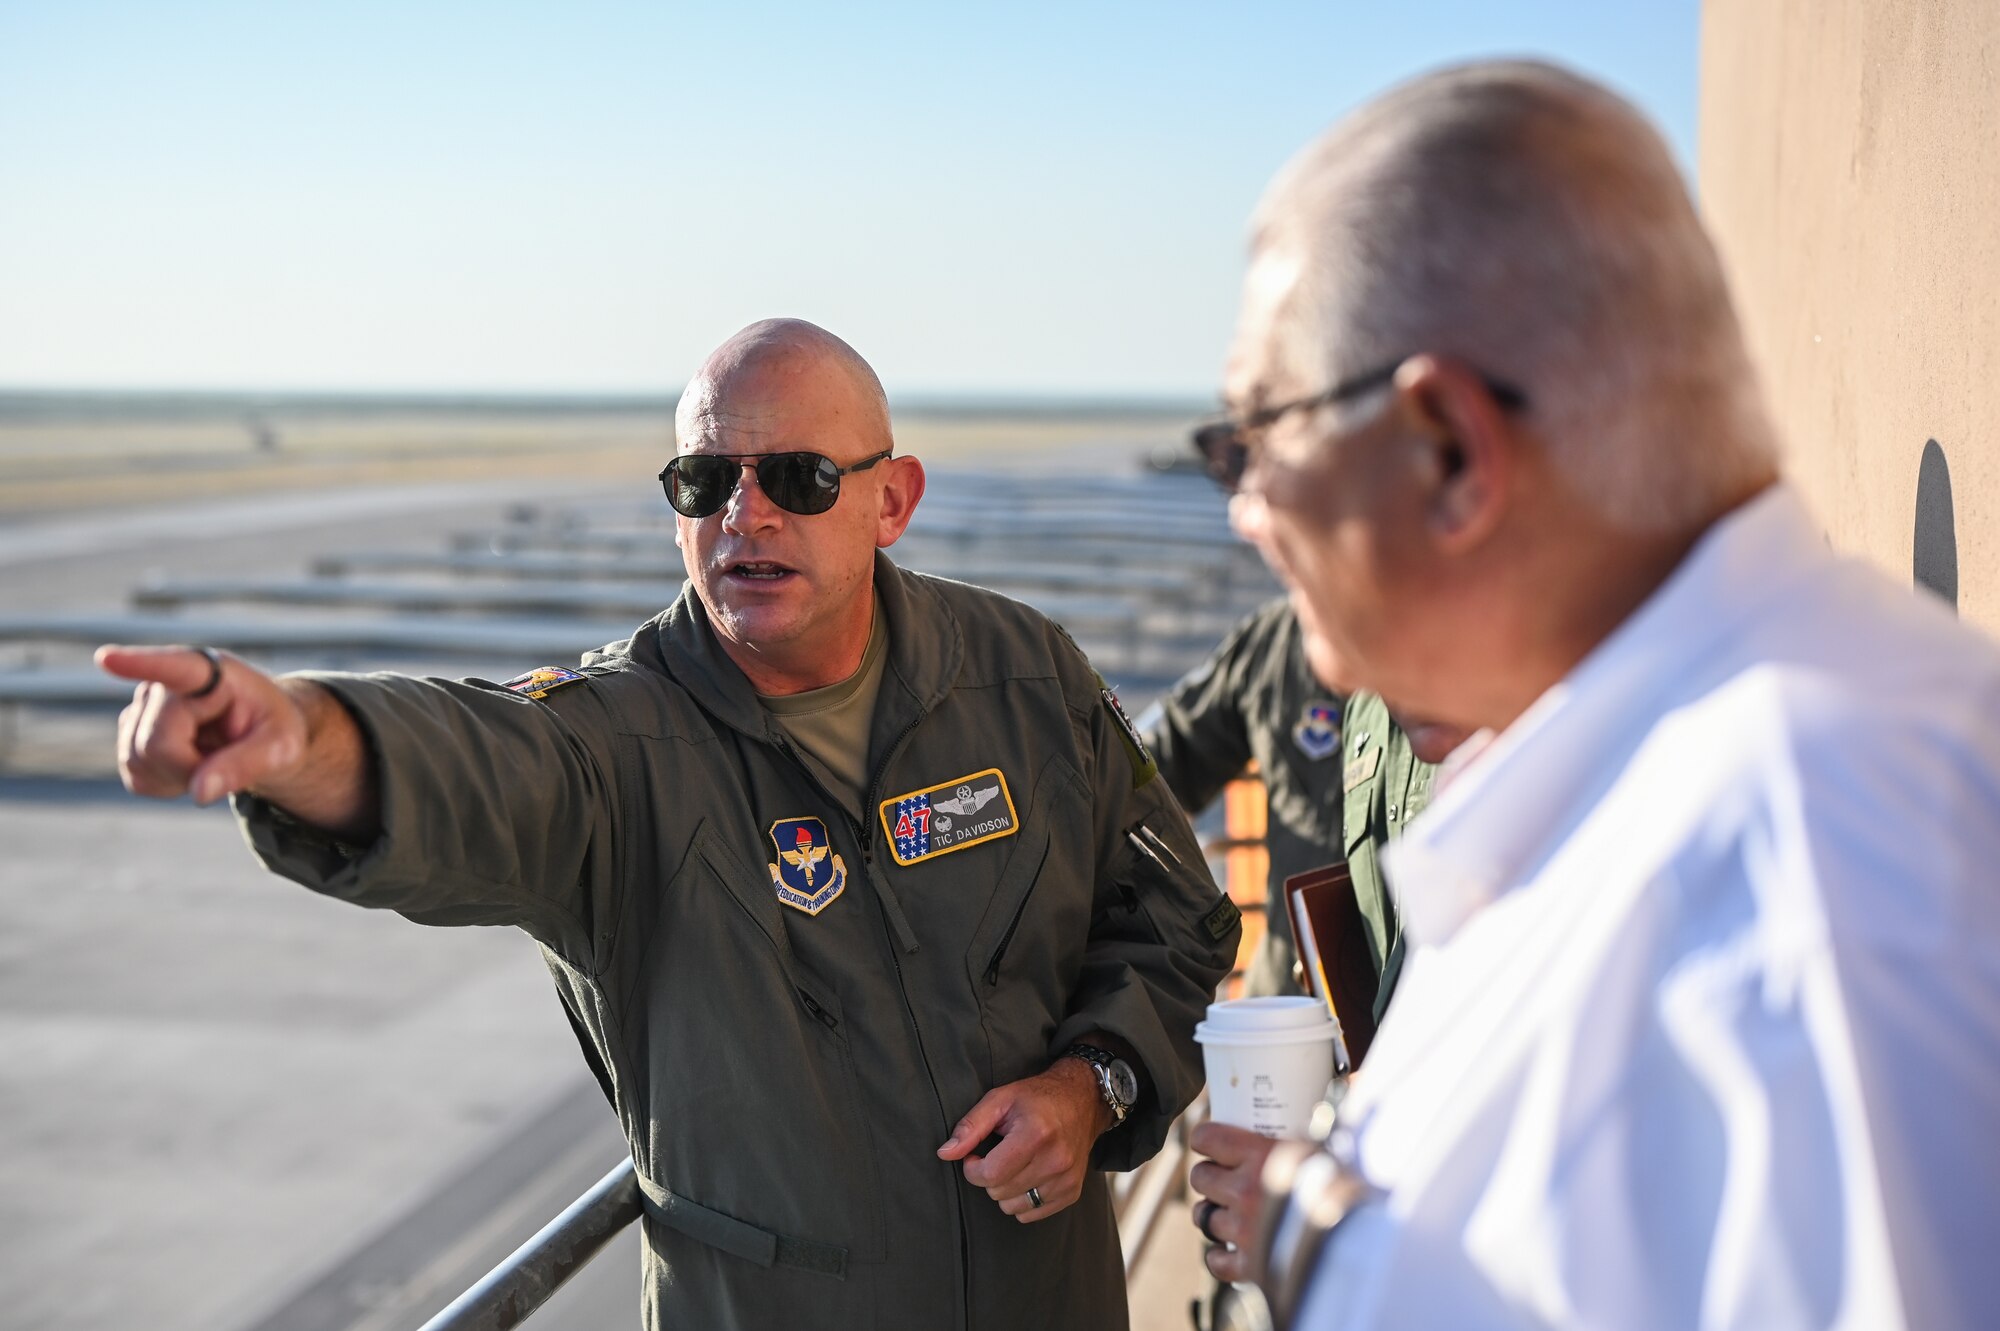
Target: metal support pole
column 537, row 1269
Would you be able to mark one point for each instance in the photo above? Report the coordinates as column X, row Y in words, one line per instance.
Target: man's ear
column 902, row 487
column 1470, row 443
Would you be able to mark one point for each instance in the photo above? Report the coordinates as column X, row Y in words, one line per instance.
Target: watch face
column 1123, row 1084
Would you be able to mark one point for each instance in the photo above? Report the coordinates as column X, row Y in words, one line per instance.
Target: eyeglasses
column 698, row 484
column 1224, row 445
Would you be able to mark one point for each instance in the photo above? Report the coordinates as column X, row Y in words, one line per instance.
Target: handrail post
column 511, row 1291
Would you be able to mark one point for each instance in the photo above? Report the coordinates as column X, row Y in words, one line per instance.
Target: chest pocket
column 1361, row 780
column 737, row 1043
column 1027, row 951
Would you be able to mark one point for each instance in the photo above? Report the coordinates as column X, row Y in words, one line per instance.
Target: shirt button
column 1392, row 811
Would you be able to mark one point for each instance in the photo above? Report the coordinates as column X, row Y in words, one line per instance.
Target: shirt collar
column 1512, row 805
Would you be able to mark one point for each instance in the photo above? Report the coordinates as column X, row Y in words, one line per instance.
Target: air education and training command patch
column 539, row 682
column 808, row 875
column 951, row 816
column 1318, row 732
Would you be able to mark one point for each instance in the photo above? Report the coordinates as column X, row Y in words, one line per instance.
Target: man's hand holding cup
column 1269, row 1062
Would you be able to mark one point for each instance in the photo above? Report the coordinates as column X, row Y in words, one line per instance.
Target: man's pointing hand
column 179, row 734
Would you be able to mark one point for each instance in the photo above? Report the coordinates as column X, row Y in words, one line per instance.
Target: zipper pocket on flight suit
column 819, row 1012
column 992, row 975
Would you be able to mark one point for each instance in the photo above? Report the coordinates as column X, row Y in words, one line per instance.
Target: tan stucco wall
column 1850, row 167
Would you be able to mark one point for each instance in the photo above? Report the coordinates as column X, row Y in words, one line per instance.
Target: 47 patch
column 808, row 874
column 949, row 816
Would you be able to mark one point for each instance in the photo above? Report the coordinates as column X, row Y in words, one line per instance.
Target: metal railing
column 513, row 1290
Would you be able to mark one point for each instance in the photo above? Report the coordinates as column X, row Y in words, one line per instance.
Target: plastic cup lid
column 1281, row 1019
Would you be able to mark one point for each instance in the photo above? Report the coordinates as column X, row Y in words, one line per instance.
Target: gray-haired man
column 1700, row 1021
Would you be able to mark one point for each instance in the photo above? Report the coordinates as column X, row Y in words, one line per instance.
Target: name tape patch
column 949, row 816
column 1360, row 769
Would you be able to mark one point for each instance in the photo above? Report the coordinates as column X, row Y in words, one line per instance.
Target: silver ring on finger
column 1035, row 1197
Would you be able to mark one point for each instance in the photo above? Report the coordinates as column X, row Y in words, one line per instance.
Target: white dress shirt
column 1700, row 1022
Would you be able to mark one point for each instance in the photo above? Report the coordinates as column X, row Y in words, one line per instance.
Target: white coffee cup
column 1269, row 1061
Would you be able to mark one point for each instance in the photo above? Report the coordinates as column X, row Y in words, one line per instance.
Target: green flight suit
column 1255, row 697
column 1383, row 787
column 788, row 1009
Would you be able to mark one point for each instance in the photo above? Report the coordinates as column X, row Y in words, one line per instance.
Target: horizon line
column 18, row 400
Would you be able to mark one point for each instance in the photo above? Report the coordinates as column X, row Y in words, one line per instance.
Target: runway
column 230, row 1103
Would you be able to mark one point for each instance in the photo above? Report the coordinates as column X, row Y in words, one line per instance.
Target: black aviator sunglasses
column 699, row 484
column 1224, row 444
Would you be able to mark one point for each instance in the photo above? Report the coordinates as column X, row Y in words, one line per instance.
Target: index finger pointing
column 178, row 669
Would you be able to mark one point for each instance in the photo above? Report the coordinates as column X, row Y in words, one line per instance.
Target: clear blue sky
column 1042, row 198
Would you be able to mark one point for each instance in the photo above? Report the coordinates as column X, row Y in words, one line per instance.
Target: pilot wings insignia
column 966, row 801
column 807, row 875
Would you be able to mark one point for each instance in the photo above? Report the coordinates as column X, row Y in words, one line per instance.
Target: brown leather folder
column 1333, row 952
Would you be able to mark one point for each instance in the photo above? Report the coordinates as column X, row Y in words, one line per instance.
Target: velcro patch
column 1220, row 920
column 1360, row 769
column 1318, row 732
column 807, row 875
column 1144, row 768
column 543, row 680
column 949, row 816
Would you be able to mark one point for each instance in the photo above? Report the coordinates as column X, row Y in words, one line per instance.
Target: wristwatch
column 1116, row 1081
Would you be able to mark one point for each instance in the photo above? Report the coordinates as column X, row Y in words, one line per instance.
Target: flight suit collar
column 926, row 652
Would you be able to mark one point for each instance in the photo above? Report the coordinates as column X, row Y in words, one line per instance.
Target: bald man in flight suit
column 857, row 885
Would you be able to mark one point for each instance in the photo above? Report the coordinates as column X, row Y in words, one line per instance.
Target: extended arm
column 1198, row 733
column 450, row 802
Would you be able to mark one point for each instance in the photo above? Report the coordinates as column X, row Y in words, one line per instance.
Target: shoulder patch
column 543, row 680
column 1144, row 768
column 1220, row 920
column 1318, row 731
